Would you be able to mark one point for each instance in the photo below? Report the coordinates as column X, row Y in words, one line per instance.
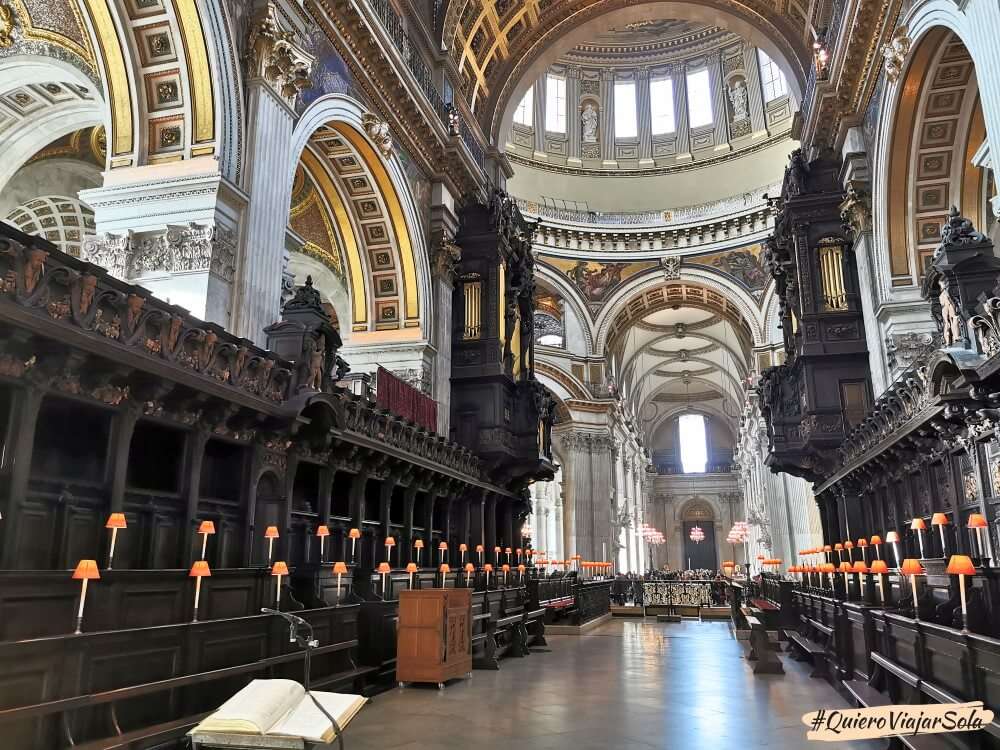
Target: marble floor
column 629, row 685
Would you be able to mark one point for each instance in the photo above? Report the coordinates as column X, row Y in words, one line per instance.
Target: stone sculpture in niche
column 589, row 120
column 738, row 98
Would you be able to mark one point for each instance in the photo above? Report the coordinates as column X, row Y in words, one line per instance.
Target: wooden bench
column 534, row 627
column 805, row 650
column 761, row 650
column 867, row 696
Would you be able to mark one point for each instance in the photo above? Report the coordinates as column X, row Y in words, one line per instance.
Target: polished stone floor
column 628, row 685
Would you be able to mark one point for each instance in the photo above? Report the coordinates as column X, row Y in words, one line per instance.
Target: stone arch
column 369, row 202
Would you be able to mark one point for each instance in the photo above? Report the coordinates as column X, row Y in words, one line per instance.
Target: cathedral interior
column 672, row 322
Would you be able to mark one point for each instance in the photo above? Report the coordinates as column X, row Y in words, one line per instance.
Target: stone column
column 559, row 539
column 645, row 115
column 608, row 119
column 277, row 69
column 681, row 117
column 538, row 125
column 491, row 528
column 445, row 256
column 576, row 484
column 751, row 64
column 574, row 124
column 720, row 112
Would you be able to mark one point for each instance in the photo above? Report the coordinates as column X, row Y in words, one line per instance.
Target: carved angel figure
column 589, row 120
column 952, row 321
column 738, row 98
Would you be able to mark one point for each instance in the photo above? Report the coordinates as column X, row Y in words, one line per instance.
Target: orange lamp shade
column 961, row 565
column 828, row 548
column 444, row 568
column 200, row 569
column 383, row 567
column 86, row 570
column 506, row 550
column 354, row 534
column 862, row 542
column 977, row 521
column 479, row 548
column 845, row 567
column 419, row 544
column 939, row 519
column 892, row 537
column 879, row 567
column 519, row 551
column 520, row 568
column 497, row 550
column 322, row 530
column 443, row 546
column 279, row 569
column 390, row 542
column 271, row 533
column 340, row 568
column 488, row 568
column 838, row 547
column 469, row 567
column 848, row 545
column 829, row 568
column 411, row 567
column 876, row 539
column 918, row 524
column 463, row 548
column 505, row 568
column 116, row 521
column 207, row 527
column 912, row 567
column 859, row 567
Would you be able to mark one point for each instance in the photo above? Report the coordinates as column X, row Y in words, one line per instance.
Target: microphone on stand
column 308, row 642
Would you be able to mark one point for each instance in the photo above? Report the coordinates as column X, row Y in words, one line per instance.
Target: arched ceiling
column 500, row 46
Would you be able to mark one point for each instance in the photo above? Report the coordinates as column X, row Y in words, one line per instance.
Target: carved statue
column 33, row 269
column 589, row 119
column 316, row 354
column 952, row 332
column 88, row 286
column 134, row 310
column 795, row 175
column 738, row 98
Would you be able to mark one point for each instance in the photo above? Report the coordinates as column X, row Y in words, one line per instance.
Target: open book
column 281, row 708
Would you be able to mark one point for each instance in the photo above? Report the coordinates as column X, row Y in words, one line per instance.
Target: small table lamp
column 506, row 551
column 863, row 546
column 978, row 522
column 941, row 520
column 115, row 521
column 469, row 568
column 892, row 537
column 271, row 533
column 487, row 568
column 198, row 571
column 411, row 568
column 206, row 528
column 389, row 544
column 876, row 542
column 463, row 548
column 828, row 551
column 879, row 568
column 442, row 552
column 340, row 568
column 418, row 545
column 86, row 570
column 383, row 570
column 506, row 570
column 961, row 566
column 849, row 546
column 322, row 531
column 920, row 527
column 444, row 570
column 354, row 535
column 520, row 571
column 839, row 549
column 479, row 551
column 277, row 570
column 913, row 568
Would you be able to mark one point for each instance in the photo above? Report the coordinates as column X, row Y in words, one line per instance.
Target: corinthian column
column 277, row 70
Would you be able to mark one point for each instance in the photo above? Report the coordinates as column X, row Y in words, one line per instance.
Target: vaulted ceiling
column 500, row 46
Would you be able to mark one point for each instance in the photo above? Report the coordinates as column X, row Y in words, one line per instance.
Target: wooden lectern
column 434, row 639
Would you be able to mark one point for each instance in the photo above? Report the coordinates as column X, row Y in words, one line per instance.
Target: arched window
column 626, row 125
column 555, row 104
column 694, row 447
column 699, row 93
column 772, row 80
column 525, row 112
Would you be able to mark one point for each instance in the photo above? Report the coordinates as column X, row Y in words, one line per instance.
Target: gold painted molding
column 122, row 140
column 199, row 71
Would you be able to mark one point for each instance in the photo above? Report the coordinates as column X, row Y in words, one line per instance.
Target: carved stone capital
column 378, row 131
column 895, row 53
column 179, row 248
column 445, row 257
column 275, row 55
column 856, row 209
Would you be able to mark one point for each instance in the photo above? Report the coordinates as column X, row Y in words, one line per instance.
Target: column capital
column 276, row 54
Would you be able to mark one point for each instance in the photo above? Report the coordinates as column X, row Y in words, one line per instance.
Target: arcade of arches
column 477, row 279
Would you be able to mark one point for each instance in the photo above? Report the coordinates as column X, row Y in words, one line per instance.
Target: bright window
column 625, row 111
column 525, row 112
column 555, row 104
column 661, row 104
column 694, row 450
column 699, row 99
column 772, row 80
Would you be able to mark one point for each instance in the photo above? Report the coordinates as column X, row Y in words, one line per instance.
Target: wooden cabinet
column 434, row 641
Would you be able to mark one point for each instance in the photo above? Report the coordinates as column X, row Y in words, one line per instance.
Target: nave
column 629, row 684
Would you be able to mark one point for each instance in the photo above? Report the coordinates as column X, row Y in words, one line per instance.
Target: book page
column 307, row 721
column 256, row 708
